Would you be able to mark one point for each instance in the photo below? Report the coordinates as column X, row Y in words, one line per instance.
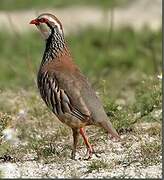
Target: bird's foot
column 90, row 152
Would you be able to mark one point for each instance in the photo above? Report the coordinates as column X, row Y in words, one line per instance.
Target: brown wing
column 57, row 91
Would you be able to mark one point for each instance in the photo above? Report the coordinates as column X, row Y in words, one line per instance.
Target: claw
column 91, row 152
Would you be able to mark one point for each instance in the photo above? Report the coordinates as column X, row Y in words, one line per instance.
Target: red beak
column 35, row 21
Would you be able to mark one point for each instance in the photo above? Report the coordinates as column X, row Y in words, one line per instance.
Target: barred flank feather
column 56, row 98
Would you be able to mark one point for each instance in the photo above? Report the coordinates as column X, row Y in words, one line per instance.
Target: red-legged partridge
column 64, row 89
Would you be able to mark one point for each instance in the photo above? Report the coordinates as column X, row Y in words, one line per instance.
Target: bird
column 65, row 89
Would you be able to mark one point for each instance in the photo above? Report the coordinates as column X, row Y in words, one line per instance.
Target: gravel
column 123, row 159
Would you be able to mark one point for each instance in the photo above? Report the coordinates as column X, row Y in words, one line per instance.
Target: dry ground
column 44, row 145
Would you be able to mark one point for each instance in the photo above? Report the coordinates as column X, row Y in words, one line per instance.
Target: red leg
column 85, row 138
column 89, row 147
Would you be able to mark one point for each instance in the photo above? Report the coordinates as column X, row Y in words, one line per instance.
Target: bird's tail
column 107, row 125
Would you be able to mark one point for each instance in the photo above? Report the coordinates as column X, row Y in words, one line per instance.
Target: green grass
column 97, row 165
column 127, row 53
column 149, row 96
column 147, row 101
column 30, row 4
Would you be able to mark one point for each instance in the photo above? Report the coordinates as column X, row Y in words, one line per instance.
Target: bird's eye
column 43, row 20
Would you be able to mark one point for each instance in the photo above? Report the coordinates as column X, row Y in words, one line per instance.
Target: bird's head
column 46, row 23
